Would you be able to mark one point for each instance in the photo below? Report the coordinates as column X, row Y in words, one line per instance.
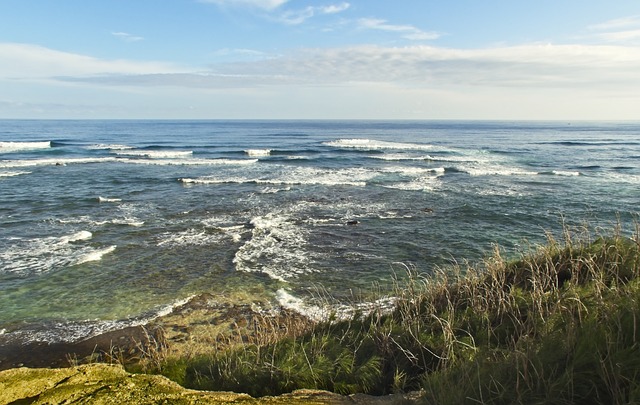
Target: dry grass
column 559, row 324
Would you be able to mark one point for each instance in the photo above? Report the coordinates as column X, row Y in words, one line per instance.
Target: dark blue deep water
column 107, row 223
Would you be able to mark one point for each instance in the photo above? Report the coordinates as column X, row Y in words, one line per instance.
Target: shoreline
column 198, row 326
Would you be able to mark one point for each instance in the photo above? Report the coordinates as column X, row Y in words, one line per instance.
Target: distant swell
column 370, row 144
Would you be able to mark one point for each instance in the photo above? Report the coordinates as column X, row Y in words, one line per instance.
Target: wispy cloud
column 263, row 4
column 516, row 67
column 542, row 78
column 618, row 23
column 127, row 37
column 238, row 51
column 299, row 16
column 621, row 30
column 407, row 31
column 335, row 8
column 27, row 61
column 275, row 11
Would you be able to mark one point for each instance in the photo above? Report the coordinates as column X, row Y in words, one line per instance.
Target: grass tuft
column 559, row 324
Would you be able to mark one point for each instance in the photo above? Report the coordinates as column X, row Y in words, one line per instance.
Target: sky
column 325, row 59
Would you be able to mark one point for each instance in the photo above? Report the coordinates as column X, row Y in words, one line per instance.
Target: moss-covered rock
column 111, row 384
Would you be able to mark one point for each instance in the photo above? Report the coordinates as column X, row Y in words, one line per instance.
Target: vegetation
column 559, row 324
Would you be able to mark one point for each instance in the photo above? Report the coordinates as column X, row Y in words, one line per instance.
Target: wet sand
column 107, row 347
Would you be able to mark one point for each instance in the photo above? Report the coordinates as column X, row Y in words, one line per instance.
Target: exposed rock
column 111, row 384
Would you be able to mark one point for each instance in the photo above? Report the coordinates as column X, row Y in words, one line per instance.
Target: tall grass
column 559, row 324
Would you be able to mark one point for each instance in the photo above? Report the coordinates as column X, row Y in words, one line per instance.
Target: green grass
column 559, row 324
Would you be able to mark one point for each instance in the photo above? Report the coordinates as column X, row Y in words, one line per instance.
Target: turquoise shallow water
column 107, row 223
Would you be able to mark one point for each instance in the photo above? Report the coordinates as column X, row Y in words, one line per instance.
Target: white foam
column 29, row 256
column 622, row 177
column 53, row 162
column 258, row 152
column 295, row 176
column 168, row 309
column 313, row 312
column 12, row 174
column 277, row 247
column 427, row 184
column 191, row 162
column 155, row 154
column 398, row 157
column 22, row 146
column 383, row 305
column 103, row 146
column 374, row 144
column 565, row 173
column 107, row 199
column 274, row 190
column 128, row 221
column 95, row 256
column 412, row 171
column 82, row 235
column 75, row 331
column 189, row 237
column 495, row 170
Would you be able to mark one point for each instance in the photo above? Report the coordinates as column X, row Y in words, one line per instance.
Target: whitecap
column 107, row 199
column 274, row 190
column 154, row 154
column 371, row 144
column 103, row 146
column 258, row 152
column 82, row 235
column 495, row 170
column 191, row 162
column 22, row 146
column 12, row 174
column 53, row 162
column 565, row 173
column 128, row 221
column 295, row 176
column 409, row 170
column 95, row 255
column 398, row 157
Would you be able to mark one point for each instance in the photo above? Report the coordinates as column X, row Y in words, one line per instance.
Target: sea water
column 105, row 224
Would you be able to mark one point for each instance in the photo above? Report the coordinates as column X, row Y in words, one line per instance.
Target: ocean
column 105, row 224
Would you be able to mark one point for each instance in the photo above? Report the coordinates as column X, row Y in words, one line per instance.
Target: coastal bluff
column 111, row 384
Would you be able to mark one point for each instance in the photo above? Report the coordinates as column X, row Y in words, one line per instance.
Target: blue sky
column 295, row 59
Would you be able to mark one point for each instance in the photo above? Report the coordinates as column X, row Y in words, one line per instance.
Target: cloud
column 632, row 21
column 620, row 30
column 296, row 17
column 263, row 4
column 407, row 31
column 127, row 37
column 27, row 61
column 620, row 36
column 239, row 51
column 526, row 81
column 333, row 9
column 517, row 67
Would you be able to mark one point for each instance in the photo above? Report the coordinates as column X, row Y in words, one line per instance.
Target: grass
column 559, row 324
